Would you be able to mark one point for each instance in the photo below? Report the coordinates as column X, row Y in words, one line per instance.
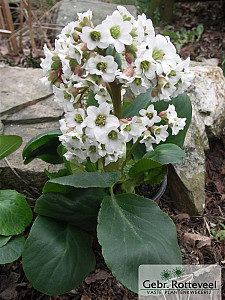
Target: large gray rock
column 27, row 109
column 187, row 179
column 68, row 9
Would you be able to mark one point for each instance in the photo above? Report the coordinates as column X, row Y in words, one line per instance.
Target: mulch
column 199, row 236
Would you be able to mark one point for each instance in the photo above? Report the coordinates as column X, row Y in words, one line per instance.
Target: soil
column 199, row 236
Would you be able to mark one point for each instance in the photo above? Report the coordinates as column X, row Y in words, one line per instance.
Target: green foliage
column 89, row 179
column 12, row 250
column 57, row 256
column 78, row 207
column 166, row 154
column 220, row 234
column 9, row 144
column 43, row 146
column 138, row 103
column 132, row 230
column 4, row 240
column 15, row 213
column 184, row 36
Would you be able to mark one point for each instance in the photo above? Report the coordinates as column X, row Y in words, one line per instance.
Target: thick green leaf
column 91, row 101
column 60, row 173
column 9, row 144
column 166, row 153
column 139, row 102
column 51, row 187
column 132, row 231
column 79, row 207
column 143, row 165
column 117, row 57
column 4, row 240
column 43, row 146
column 89, row 179
column 12, row 250
column 156, row 176
column 15, row 213
column 57, row 256
column 183, row 107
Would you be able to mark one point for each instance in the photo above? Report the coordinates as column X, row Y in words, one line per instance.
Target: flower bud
column 73, row 91
column 53, row 76
column 129, row 58
column 75, row 36
column 129, row 71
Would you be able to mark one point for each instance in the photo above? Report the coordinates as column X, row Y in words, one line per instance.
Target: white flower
column 109, row 158
column 161, row 133
column 86, row 16
column 75, row 118
column 144, row 28
column 163, row 53
column 125, row 13
column 171, row 113
column 92, row 150
column 113, row 140
column 99, row 120
column 47, row 62
column 96, row 37
column 63, row 99
column 148, row 140
column 150, row 116
column 132, row 129
column 138, row 84
column 146, row 65
column 119, row 31
column 177, row 124
column 68, row 30
column 103, row 66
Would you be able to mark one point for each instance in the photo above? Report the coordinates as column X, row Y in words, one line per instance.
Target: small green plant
column 15, row 213
column 184, row 37
column 220, row 234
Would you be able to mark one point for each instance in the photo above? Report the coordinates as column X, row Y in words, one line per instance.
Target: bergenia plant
column 110, row 144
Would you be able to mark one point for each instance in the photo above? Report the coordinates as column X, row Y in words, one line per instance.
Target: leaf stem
column 116, row 98
column 129, row 154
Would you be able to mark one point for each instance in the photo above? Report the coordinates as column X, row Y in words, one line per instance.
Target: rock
column 27, row 109
column 207, row 94
column 68, row 9
column 187, row 179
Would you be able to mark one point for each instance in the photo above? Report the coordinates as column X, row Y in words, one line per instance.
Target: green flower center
column 115, row 31
column 157, row 54
column 128, row 128
column 112, row 135
column 100, row 120
column 78, row 118
column 95, row 35
column 150, row 115
column 157, row 131
column 172, row 73
column 145, row 65
column 167, row 85
column 137, row 81
column 92, row 148
column 101, row 66
column 67, row 96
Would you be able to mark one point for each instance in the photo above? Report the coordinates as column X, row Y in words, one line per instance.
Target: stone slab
column 68, row 9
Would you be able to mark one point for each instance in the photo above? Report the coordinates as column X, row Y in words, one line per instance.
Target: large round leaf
column 4, row 240
column 9, row 144
column 15, row 213
column 166, row 153
column 57, row 256
column 43, row 146
column 79, row 207
column 12, row 250
column 89, row 179
column 134, row 231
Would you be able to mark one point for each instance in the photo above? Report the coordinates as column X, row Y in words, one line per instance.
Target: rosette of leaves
column 15, row 213
column 81, row 201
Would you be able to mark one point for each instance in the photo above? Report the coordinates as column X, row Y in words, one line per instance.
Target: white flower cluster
column 96, row 133
column 83, row 61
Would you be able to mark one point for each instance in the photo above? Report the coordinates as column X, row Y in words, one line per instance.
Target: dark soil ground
column 201, row 238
